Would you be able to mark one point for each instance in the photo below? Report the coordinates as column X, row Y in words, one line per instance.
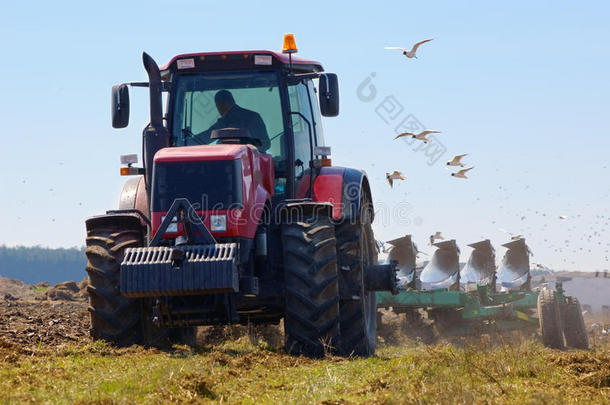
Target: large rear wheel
column 119, row 320
column 356, row 249
column 311, row 321
column 550, row 320
column 114, row 318
column 574, row 328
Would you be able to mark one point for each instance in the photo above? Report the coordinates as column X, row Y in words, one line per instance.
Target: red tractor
column 237, row 215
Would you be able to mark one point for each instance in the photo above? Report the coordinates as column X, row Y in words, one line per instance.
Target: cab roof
column 229, row 59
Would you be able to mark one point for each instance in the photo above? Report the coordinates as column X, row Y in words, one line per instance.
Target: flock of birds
column 423, row 135
column 591, row 231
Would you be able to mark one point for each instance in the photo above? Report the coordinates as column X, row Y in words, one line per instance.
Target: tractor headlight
column 218, row 222
column 173, row 226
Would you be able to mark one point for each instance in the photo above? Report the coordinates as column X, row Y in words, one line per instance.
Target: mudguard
column 133, row 195
column 404, row 251
column 134, row 199
column 481, row 266
column 443, row 270
column 128, row 221
column 343, row 188
column 293, row 210
column 514, row 273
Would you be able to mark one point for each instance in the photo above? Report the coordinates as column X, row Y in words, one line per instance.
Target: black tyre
column 574, row 328
column 550, row 320
column 311, row 320
column 114, row 318
column 355, row 249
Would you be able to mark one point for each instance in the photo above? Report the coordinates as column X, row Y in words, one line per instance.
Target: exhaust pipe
column 154, row 86
column 443, row 270
column 404, row 252
column 155, row 135
column 481, row 266
column 514, row 273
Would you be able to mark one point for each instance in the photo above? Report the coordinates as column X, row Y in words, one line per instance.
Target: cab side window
column 317, row 118
column 300, row 103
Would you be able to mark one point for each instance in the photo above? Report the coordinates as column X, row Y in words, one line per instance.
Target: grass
column 238, row 371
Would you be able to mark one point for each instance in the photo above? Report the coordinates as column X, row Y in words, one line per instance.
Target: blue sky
column 523, row 88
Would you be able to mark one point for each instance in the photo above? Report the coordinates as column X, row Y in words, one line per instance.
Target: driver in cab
column 234, row 116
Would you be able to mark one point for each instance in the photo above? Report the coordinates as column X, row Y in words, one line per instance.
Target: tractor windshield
column 207, row 101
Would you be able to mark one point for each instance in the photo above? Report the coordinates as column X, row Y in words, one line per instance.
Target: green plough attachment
column 478, row 307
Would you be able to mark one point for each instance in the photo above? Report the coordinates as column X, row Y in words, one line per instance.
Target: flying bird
column 462, row 173
column 396, row 175
column 437, row 235
column 513, row 236
column 456, row 161
column 421, row 136
column 409, row 53
column 563, row 217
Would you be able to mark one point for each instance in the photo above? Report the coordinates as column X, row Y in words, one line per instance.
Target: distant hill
column 36, row 264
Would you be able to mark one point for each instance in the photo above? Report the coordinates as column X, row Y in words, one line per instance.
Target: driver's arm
column 259, row 130
column 205, row 137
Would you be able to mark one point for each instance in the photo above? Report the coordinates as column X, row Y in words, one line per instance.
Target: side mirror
column 329, row 95
column 120, row 106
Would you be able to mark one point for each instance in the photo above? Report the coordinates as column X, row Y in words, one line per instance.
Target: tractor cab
column 269, row 97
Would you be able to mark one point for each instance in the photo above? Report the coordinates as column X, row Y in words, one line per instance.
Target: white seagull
column 513, row 236
column 422, row 136
column 437, row 235
column 409, row 53
column 456, row 161
column 396, row 175
column 462, row 173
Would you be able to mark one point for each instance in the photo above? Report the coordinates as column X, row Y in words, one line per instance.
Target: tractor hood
column 226, row 181
column 443, row 270
column 481, row 266
column 201, row 152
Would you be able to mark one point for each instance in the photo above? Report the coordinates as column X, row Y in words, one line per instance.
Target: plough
column 479, row 297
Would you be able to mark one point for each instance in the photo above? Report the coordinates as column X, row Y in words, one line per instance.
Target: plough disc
column 514, row 273
column 481, row 266
column 443, row 270
column 404, row 251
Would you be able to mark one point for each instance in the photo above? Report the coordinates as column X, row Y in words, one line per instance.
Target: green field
column 243, row 372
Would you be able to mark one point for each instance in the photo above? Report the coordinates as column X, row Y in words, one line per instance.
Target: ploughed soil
column 43, row 315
